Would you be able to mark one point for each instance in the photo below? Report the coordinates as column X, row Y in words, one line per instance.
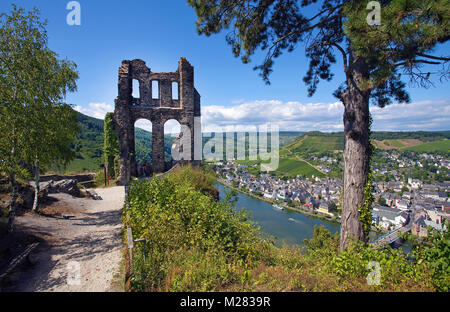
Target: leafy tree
column 382, row 201
column 36, row 126
column 373, row 57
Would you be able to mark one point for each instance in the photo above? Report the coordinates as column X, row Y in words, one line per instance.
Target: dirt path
column 90, row 241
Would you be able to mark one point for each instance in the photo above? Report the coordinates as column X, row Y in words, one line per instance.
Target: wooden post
column 130, row 246
column 104, row 172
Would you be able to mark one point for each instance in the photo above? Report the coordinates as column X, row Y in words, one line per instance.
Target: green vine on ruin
column 111, row 145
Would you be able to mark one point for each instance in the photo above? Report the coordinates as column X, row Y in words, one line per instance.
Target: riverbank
column 285, row 206
column 317, row 215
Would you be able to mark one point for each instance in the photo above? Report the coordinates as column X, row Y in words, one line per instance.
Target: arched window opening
column 143, row 148
column 172, row 130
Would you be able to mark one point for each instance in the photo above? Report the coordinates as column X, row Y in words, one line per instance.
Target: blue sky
column 233, row 95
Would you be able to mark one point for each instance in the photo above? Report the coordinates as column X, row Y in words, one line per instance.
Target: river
column 289, row 227
column 286, row 226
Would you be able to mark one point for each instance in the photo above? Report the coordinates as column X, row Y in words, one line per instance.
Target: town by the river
column 285, row 226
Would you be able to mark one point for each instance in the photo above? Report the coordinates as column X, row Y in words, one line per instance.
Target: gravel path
column 91, row 242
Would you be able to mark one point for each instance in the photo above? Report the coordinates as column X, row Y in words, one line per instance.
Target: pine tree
column 374, row 59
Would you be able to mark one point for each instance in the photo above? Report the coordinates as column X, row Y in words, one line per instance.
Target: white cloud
column 96, row 110
column 170, row 127
column 296, row 116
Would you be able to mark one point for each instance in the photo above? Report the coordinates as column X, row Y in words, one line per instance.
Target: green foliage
column 33, row 84
column 397, row 270
column 408, row 31
column 178, row 219
column 382, row 201
column 111, row 144
column 195, row 243
column 322, row 244
column 395, row 267
column 365, row 211
column 434, row 252
column 424, row 136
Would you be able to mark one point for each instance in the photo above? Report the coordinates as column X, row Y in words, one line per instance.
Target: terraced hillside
column 315, row 143
column 421, row 141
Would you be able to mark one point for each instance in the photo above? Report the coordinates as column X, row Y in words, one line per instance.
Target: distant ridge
column 89, row 143
column 316, row 142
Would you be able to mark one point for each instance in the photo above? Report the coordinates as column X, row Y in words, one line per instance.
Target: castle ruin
column 158, row 108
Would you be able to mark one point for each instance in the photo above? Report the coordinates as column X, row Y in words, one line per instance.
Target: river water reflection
column 285, row 226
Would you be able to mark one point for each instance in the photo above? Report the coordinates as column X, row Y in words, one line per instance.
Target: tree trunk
column 12, row 203
column 36, row 186
column 356, row 154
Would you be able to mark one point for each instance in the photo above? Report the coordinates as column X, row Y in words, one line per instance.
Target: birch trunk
column 36, row 186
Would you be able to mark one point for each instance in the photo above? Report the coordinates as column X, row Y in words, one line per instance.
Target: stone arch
column 142, row 156
column 128, row 110
column 172, row 132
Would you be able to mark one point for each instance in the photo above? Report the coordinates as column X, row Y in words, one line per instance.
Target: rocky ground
column 91, row 241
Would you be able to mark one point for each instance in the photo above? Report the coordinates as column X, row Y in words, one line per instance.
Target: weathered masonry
column 158, row 108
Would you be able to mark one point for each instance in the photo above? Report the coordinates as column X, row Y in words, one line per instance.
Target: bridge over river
column 391, row 237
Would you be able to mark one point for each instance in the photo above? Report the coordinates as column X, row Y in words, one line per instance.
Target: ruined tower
column 156, row 108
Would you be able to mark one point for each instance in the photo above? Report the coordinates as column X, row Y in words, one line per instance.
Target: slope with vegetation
column 317, row 143
column 89, row 146
column 196, row 243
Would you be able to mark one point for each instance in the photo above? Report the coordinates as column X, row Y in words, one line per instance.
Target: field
column 318, row 142
column 397, row 143
column 310, row 144
column 438, row 146
column 293, row 167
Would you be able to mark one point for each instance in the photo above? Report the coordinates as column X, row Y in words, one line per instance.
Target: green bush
column 177, row 220
column 434, row 252
column 196, row 243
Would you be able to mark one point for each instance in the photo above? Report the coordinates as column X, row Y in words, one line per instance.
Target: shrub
column 178, row 220
column 196, row 243
column 434, row 253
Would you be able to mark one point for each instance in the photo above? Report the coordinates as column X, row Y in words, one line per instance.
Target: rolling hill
column 89, row 146
column 437, row 146
column 319, row 142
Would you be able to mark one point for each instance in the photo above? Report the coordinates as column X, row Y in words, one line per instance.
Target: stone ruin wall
column 157, row 109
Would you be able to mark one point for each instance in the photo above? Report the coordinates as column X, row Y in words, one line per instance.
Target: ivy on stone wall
column 110, row 146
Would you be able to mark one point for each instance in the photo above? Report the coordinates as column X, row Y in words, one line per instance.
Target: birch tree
column 36, row 126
